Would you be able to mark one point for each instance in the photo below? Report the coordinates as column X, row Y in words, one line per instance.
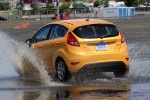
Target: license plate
column 101, row 47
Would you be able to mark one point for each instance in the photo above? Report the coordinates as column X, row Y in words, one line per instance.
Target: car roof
column 80, row 22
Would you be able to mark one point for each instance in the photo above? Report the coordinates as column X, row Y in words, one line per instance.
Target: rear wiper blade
column 108, row 35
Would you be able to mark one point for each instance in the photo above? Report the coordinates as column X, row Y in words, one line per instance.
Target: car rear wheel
column 61, row 70
column 121, row 72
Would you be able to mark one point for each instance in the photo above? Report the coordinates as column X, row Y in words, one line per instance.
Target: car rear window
column 96, row 31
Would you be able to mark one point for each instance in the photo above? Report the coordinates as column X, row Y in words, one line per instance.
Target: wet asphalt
column 94, row 86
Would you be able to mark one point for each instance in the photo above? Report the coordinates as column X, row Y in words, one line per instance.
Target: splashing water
column 15, row 56
column 139, row 62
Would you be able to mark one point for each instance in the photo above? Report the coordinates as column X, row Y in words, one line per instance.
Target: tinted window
column 58, row 31
column 96, row 31
column 42, row 34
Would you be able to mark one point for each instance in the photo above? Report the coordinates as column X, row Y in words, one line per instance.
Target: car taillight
column 122, row 38
column 72, row 40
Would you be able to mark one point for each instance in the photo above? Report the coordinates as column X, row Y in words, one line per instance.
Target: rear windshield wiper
column 108, row 35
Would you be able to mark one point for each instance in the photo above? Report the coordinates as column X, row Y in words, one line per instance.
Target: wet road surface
column 102, row 86
column 15, row 88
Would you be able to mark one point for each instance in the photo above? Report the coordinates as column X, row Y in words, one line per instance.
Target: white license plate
column 101, row 47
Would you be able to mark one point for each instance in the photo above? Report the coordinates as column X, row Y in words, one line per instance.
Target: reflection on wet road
column 15, row 88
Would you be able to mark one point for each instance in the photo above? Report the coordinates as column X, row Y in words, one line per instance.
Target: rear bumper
column 104, row 67
column 101, row 62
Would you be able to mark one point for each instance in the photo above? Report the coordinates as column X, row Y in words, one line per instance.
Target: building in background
column 116, row 4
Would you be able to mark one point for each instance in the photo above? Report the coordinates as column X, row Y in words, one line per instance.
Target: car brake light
column 72, row 40
column 122, row 38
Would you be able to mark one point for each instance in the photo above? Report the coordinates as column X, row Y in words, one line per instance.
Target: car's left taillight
column 71, row 40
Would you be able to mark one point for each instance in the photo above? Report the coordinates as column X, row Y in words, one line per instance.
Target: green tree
column 129, row 3
column 140, row 1
column 147, row 3
column 19, row 6
column 75, row 5
column 65, row 5
column 1, row 6
column 105, row 3
column 35, row 6
column 101, row 2
column 48, row 5
column 97, row 3
column 4, row 6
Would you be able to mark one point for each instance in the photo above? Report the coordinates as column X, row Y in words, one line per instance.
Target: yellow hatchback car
column 69, row 46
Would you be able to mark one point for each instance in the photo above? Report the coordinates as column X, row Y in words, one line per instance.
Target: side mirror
column 28, row 41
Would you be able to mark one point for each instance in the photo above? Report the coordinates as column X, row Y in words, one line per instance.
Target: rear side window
column 96, row 31
column 58, row 31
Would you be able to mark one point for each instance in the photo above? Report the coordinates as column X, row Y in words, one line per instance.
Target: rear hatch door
column 98, row 38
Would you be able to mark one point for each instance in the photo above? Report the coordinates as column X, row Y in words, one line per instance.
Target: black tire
column 62, row 72
column 120, row 73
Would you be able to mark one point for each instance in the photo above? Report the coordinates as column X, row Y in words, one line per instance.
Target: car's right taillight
column 71, row 40
column 122, row 38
